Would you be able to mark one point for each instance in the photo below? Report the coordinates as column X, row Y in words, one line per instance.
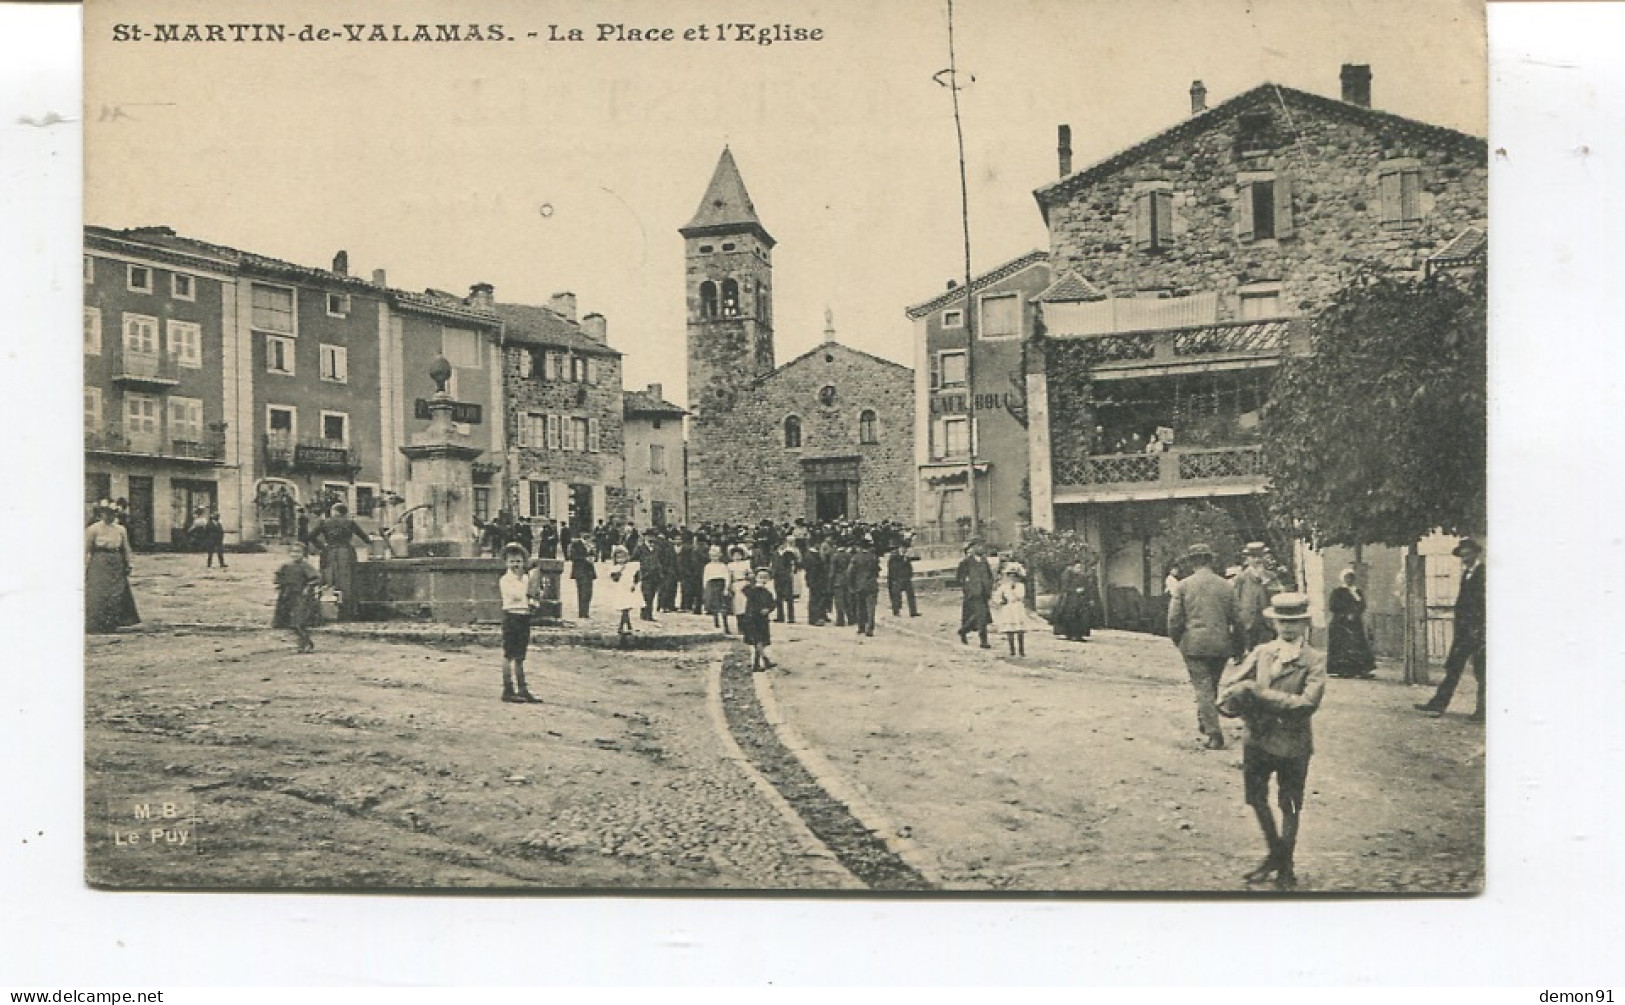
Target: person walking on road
column 1469, row 641
column 1010, row 610
column 1276, row 690
column 900, row 578
column 583, row 573
column 214, row 540
column 863, row 579
column 1348, row 651
column 1255, row 586
column 296, row 604
column 976, row 589
column 1203, row 623
column 109, row 602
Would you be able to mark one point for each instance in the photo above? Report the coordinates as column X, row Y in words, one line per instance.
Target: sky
column 542, row 166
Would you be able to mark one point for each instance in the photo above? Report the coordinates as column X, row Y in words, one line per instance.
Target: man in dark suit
column 1469, row 641
column 1203, row 623
column 839, row 585
column 976, row 589
column 863, row 577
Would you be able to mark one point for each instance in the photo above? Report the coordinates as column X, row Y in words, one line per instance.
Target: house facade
column 1184, row 267
column 656, row 463
column 970, row 388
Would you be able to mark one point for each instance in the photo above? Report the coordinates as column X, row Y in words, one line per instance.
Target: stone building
column 1181, row 265
column 828, row 435
column 656, row 464
column 973, row 390
column 562, row 419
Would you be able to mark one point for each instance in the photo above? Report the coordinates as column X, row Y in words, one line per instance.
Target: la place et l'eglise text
column 723, row 31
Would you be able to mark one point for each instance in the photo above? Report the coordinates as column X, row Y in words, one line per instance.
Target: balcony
column 1181, row 473
column 208, row 448
column 146, row 370
column 284, row 454
column 1230, row 346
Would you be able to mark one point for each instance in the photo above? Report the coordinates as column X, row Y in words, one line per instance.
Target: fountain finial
column 440, row 373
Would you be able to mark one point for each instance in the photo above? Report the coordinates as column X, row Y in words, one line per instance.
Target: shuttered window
column 1154, row 220
column 1401, row 195
column 552, row 432
column 1264, row 208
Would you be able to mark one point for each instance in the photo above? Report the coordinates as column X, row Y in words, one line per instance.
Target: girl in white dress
column 624, row 588
column 1010, row 609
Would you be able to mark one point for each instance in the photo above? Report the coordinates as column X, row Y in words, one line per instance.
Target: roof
column 986, row 279
column 1062, row 188
column 181, row 249
column 726, row 206
column 826, row 347
column 1070, row 287
column 644, row 403
column 527, row 324
column 1466, row 247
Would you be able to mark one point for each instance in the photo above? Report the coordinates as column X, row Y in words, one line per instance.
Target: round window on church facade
column 826, row 395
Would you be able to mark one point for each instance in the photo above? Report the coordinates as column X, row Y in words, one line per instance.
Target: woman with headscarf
column 334, row 534
column 1073, row 616
column 1348, row 651
column 109, row 604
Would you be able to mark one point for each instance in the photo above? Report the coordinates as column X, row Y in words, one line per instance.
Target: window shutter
column 527, row 364
column 1244, row 211
column 592, row 370
column 1391, row 187
column 592, row 436
column 1142, row 221
column 1410, row 195
column 975, row 436
column 552, row 432
column 936, row 371
column 1283, row 206
column 939, row 438
column 1164, row 218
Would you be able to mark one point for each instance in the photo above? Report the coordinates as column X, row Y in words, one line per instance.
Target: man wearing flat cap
column 1469, row 640
column 1202, row 622
column 1276, row 690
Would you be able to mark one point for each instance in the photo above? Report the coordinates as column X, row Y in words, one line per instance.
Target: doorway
column 580, row 511
column 831, row 501
column 140, row 511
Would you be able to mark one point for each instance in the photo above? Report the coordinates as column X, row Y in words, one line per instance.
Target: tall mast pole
column 952, row 84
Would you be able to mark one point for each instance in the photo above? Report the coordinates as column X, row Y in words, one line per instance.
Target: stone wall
column 601, row 401
column 751, row 475
column 1334, row 157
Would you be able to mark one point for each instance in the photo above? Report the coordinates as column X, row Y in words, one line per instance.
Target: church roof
column 826, row 347
column 726, row 206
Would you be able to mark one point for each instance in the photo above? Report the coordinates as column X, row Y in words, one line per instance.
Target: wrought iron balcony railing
column 146, row 369
column 207, row 447
column 1180, row 468
column 285, row 453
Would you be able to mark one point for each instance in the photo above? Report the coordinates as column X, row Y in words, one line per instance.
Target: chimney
column 563, row 304
column 482, row 295
column 341, row 263
column 654, row 392
column 595, row 327
column 1357, row 84
column 378, row 278
column 1198, row 97
column 953, row 284
column 1063, row 148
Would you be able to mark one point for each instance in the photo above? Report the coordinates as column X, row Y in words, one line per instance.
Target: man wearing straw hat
column 1202, row 622
column 1276, row 690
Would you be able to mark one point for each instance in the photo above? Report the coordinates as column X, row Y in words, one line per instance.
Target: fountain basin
column 452, row 591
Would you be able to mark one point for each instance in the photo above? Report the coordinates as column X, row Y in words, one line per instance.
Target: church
column 827, row 436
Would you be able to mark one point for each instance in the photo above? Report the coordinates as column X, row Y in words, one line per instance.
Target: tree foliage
column 1192, row 523
column 1379, row 435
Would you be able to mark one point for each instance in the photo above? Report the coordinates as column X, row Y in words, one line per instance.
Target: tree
column 1379, row 434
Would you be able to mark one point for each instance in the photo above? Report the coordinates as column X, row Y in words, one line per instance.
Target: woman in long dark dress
column 1073, row 615
column 333, row 535
column 109, row 604
column 1348, row 651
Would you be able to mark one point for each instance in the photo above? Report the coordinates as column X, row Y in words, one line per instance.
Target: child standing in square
column 516, row 601
column 1010, row 609
column 625, row 577
column 718, row 596
column 296, row 584
column 754, row 623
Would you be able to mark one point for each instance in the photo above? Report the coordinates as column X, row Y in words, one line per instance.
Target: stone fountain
column 442, row 578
